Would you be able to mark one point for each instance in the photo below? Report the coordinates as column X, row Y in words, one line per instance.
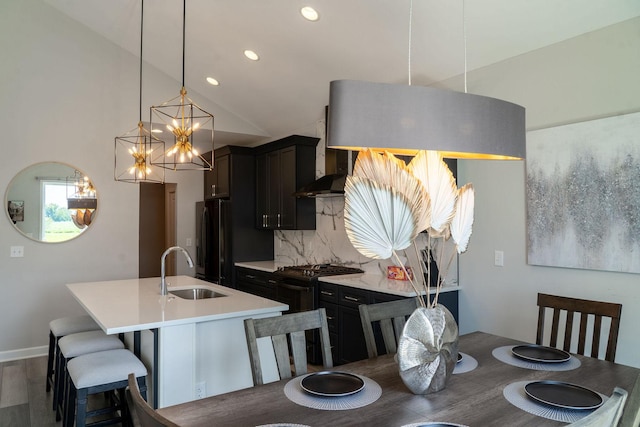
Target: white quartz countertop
column 367, row 281
column 379, row 283
column 136, row 304
column 267, row 266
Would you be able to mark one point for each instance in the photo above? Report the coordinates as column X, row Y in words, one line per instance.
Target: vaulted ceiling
column 287, row 88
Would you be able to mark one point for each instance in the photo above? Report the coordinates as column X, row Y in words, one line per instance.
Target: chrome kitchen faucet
column 163, row 282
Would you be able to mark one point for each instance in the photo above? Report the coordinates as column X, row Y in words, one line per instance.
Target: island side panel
column 176, row 364
column 222, row 362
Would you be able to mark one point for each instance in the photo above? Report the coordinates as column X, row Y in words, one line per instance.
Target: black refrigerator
column 213, row 241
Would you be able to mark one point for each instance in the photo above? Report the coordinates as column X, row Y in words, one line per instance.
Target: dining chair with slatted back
column 606, row 415
column 631, row 413
column 391, row 317
column 143, row 415
column 288, row 330
column 585, row 309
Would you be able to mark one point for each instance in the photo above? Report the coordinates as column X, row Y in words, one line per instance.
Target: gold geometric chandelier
column 189, row 124
column 135, row 149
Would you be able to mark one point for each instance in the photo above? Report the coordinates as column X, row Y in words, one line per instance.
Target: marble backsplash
column 329, row 242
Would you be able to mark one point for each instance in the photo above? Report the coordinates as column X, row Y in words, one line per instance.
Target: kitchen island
column 192, row 348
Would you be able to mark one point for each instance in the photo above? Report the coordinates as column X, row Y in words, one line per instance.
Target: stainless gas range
column 297, row 285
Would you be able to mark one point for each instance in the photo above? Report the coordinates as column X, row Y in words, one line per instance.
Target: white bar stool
column 74, row 345
column 59, row 328
column 97, row 373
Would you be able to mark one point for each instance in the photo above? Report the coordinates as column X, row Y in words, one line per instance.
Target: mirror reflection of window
column 51, row 202
column 56, row 222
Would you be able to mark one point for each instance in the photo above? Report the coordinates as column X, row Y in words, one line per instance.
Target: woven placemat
column 369, row 394
column 505, row 355
column 515, row 394
column 467, row 364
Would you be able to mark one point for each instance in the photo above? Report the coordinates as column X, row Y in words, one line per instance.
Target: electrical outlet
column 17, row 251
column 498, row 258
column 188, row 241
column 201, row 390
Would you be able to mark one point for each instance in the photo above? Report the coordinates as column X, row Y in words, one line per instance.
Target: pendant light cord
column 141, row 26
column 184, row 22
column 464, row 37
column 409, row 56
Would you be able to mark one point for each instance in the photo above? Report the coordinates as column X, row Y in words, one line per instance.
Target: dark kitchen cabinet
column 217, row 182
column 256, row 282
column 282, row 167
column 343, row 317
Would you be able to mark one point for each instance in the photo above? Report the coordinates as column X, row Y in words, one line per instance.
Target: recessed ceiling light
column 251, row 55
column 212, row 81
column 309, row 13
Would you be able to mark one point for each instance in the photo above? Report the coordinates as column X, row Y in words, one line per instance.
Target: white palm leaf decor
column 434, row 174
column 387, row 170
column 462, row 223
column 378, row 218
column 388, row 204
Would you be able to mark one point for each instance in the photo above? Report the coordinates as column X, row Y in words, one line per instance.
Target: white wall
column 65, row 94
column 592, row 76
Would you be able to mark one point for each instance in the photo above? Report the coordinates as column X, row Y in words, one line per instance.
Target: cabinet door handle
column 213, row 189
column 264, row 221
column 250, row 276
column 327, row 293
column 352, row 299
column 278, row 220
column 330, row 318
column 273, row 282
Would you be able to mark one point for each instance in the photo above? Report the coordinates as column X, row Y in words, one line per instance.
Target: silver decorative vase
column 428, row 349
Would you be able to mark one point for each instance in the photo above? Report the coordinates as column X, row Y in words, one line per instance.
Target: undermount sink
column 196, row 293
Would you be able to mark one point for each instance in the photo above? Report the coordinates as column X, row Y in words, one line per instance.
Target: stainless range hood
column 338, row 163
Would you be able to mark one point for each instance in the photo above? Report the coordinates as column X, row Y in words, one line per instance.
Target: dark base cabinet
column 255, row 282
column 345, row 328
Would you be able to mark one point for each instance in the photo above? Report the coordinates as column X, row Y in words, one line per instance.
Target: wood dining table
column 473, row 398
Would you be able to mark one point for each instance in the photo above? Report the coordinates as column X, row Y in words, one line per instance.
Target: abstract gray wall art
column 583, row 195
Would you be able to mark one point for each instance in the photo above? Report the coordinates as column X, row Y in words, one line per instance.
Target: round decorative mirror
column 51, row 202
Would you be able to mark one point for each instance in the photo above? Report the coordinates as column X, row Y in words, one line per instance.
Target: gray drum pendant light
column 190, row 125
column 135, row 150
column 404, row 119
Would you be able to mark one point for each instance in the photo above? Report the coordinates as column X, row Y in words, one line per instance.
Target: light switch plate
column 17, row 251
column 499, row 259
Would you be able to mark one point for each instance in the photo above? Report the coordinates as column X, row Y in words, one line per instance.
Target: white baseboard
column 23, row 353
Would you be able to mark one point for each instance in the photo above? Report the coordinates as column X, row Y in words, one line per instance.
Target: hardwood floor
column 23, row 399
